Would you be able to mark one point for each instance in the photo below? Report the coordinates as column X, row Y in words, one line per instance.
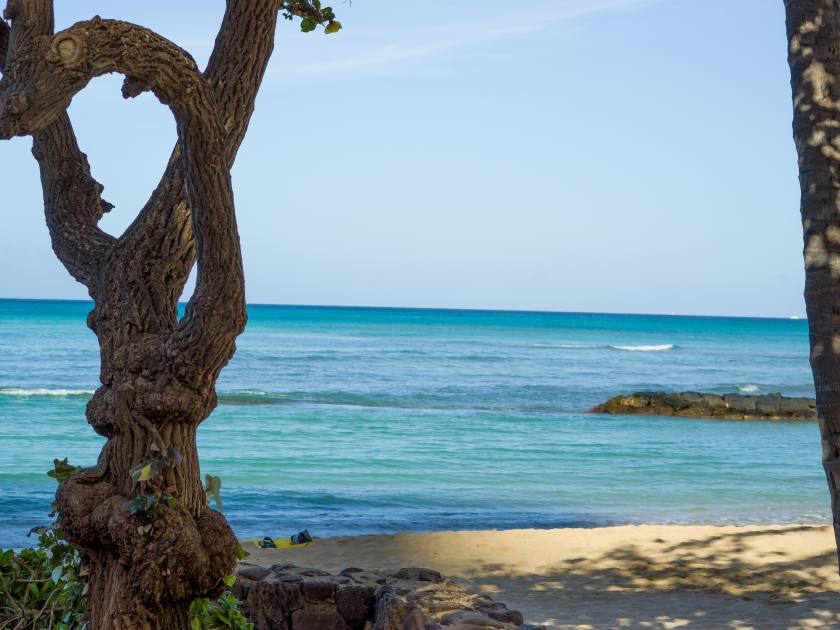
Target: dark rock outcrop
column 296, row 598
column 697, row 405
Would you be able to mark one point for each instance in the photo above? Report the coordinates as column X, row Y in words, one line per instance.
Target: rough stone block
column 356, row 604
column 318, row 617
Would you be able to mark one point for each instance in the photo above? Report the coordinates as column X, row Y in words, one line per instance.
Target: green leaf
column 38, row 530
column 56, row 574
column 135, row 471
column 137, row 505
column 213, row 490
column 146, row 471
column 229, row 581
column 333, row 27
column 308, row 24
column 62, row 471
column 174, row 456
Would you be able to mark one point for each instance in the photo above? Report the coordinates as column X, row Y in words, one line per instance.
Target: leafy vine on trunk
column 141, row 515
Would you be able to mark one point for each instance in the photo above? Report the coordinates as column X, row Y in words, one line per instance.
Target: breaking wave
column 656, row 348
column 42, row 391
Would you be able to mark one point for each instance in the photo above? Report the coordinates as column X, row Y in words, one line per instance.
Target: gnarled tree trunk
column 150, row 558
column 813, row 30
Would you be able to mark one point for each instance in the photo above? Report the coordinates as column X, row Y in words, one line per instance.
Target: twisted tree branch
column 4, row 43
column 158, row 374
column 72, row 202
column 140, row 367
column 163, row 225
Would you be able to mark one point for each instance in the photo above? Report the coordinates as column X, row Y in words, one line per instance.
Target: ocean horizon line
column 445, row 309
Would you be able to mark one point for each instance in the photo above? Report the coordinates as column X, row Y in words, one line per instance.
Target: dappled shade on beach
column 630, row 576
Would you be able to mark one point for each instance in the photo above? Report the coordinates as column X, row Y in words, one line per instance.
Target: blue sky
column 586, row 155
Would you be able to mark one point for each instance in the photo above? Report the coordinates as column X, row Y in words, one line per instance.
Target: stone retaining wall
column 288, row 597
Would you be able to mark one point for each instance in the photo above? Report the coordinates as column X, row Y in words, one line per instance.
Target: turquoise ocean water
column 355, row 420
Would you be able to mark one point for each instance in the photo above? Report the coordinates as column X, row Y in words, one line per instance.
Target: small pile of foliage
column 45, row 587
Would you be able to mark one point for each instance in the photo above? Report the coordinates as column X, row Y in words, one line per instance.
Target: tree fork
column 235, row 77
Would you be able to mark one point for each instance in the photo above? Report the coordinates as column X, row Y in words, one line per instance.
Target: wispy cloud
column 386, row 57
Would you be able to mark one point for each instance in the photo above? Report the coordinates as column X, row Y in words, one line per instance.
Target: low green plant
column 221, row 614
column 45, row 587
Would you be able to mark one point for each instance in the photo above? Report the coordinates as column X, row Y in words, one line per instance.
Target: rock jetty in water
column 697, row 405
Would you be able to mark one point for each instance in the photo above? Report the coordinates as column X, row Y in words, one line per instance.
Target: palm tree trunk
column 813, row 31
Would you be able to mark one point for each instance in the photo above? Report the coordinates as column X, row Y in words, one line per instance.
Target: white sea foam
column 748, row 389
column 664, row 347
column 19, row 391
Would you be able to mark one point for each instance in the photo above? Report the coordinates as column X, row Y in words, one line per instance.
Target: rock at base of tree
column 289, row 597
column 697, row 405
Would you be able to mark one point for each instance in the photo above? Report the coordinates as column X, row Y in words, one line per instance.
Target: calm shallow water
column 349, row 420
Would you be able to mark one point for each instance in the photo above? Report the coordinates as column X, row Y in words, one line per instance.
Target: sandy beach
column 647, row 576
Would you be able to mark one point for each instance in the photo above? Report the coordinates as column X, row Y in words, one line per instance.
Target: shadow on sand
column 717, row 581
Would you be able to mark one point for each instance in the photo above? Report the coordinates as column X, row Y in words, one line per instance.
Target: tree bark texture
column 158, row 373
column 813, row 31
